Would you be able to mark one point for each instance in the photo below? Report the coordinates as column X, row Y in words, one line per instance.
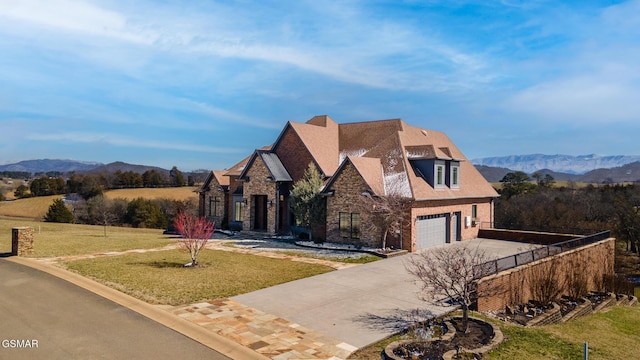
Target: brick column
column 21, row 241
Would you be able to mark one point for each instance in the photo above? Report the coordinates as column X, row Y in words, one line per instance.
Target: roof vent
column 424, row 132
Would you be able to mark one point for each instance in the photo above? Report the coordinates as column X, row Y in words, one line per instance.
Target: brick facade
column 293, row 154
column 484, row 213
column 510, row 287
column 260, row 193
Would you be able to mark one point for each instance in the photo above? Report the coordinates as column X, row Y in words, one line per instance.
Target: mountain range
column 585, row 168
column 567, row 164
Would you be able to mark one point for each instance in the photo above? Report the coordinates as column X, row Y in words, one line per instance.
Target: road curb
column 207, row 338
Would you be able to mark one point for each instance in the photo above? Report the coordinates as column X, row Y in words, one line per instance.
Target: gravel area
column 241, row 240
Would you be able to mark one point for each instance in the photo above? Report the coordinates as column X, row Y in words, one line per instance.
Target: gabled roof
column 382, row 152
column 272, row 162
column 369, row 169
column 238, row 168
column 472, row 183
column 219, row 176
column 320, row 136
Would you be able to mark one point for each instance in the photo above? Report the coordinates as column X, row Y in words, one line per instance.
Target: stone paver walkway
column 267, row 334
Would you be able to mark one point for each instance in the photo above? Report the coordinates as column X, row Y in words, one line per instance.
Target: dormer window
column 438, row 173
column 454, row 175
column 439, row 176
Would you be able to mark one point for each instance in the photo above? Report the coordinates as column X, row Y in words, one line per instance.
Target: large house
column 448, row 197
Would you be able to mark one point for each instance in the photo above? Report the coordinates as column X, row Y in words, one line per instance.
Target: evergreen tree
column 177, row 177
column 307, row 203
column 59, row 212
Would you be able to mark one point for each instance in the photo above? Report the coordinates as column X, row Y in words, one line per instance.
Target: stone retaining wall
column 552, row 316
column 583, row 309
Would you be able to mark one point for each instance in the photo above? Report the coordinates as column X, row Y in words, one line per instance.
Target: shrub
column 59, row 212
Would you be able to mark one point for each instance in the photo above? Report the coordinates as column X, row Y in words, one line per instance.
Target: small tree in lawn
column 195, row 232
column 449, row 272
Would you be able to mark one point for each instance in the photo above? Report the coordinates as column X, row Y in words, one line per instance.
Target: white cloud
column 121, row 140
column 74, row 16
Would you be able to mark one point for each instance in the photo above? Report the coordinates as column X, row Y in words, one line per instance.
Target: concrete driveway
column 359, row 305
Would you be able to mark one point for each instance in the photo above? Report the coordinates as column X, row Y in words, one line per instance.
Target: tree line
column 91, row 185
column 539, row 205
column 139, row 212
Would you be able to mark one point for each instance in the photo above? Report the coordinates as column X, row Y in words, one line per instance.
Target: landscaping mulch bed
column 522, row 314
column 567, row 305
column 598, row 298
column 477, row 335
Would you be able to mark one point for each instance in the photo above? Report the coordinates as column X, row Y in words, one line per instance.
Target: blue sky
column 200, row 84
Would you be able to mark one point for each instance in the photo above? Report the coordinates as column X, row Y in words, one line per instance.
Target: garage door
column 431, row 230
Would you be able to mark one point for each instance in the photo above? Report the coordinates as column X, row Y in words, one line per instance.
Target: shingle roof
column 220, row 176
column 237, row 169
column 371, row 171
column 381, row 151
column 320, row 136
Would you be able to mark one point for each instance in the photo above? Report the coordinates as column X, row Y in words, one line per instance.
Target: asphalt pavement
column 45, row 317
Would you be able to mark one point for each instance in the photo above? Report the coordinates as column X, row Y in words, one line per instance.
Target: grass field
column 55, row 239
column 32, row 208
column 160, row 278
column 173, row 193
column 612, row 334
column 36, row 207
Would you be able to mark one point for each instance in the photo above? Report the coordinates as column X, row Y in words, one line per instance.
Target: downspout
column 491, row 210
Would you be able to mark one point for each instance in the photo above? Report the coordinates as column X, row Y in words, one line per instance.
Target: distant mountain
column 622, row 174
column 559, row 163
column 626, row 173
column 492, row 174
column 124, row 167
column 46, row 165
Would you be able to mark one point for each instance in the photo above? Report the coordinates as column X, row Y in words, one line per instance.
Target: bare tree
column 385, row 213
column 544, row 281
column 195, row 232
column 450, row 272
column 101, row 211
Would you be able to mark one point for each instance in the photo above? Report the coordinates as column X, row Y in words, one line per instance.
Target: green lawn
column 55, row 239
column 160, row 278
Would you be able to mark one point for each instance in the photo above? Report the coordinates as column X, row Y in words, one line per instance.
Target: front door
column 260, row 212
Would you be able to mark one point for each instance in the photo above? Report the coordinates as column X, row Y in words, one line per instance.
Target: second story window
column 439, row 181
column 455, row 177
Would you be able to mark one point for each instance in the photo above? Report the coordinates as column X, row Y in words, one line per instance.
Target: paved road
column 68, row 322
column 359, row 305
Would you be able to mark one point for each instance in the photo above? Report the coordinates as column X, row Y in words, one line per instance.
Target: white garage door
column 431, row 230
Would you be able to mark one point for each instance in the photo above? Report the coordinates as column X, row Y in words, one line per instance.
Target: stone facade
column 348, row 189
column 21, row 241
column 261, row 196
column 510, row 287
column 213, row 203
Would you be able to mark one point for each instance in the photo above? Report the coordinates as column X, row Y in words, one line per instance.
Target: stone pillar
column 21, row 241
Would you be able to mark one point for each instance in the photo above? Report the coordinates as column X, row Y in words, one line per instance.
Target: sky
column 201, row 84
